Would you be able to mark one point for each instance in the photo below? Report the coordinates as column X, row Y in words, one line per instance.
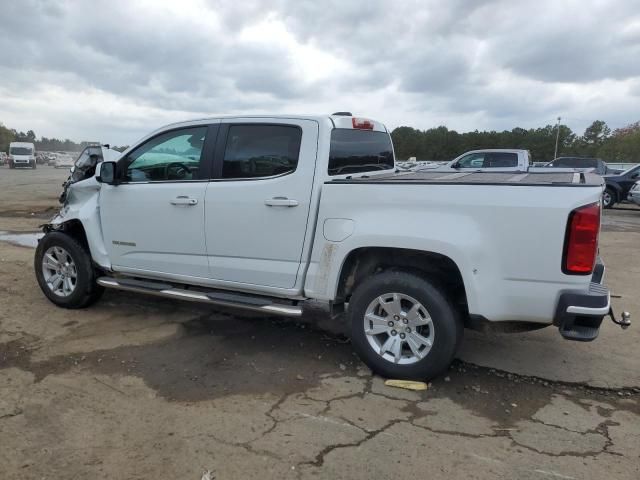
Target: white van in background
column 22, row 154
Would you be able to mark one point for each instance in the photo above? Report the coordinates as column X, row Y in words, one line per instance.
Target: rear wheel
column 608, row 198
column 34, row 165
column 403, row 326
column 64, row 271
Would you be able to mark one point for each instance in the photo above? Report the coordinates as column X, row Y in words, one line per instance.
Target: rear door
column 257, row 206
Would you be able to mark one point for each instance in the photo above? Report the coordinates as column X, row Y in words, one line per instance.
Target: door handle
column 184, row 200
column 280, row 202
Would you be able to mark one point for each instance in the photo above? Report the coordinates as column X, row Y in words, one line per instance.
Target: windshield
column 85, row 164
column 20, row 151
column 89, row 158
column 635, row 168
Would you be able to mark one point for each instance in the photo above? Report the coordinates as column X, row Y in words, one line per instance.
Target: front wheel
column 64, row 271
column 403, row 326
column 608, row 198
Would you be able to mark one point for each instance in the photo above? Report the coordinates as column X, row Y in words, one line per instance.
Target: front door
column 153, row 221
column 257, row 207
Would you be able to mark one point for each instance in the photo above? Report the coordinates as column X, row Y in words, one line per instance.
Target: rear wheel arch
column 614, row 191
column 403, row 325
column 615, row 188
column 363, row 262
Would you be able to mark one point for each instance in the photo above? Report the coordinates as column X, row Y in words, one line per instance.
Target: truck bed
column 564, row 179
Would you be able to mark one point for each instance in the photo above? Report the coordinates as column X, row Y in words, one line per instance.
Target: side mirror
column 635, row 175
column 455, row 165
column 107, row 173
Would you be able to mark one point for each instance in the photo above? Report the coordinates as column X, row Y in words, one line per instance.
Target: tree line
column 440, row 143
column 598, row 140
column 44, row 144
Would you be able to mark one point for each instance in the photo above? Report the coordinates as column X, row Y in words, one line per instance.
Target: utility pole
column 555, row 154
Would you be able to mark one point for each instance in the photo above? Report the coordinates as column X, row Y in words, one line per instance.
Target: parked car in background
column 634, row 194
column 618, row 186
column 597, row 165
column 63, row 160
column 51, row 158
column 498, row 159
column 22, row 154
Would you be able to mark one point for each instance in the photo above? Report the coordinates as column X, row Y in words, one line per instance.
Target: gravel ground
column 139, row 387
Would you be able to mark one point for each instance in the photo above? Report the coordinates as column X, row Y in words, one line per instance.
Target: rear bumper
column 579, row 313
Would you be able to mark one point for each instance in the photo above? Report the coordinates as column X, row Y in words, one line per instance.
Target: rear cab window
column 359, row 151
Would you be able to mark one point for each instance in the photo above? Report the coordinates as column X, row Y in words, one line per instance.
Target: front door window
column 171, row 156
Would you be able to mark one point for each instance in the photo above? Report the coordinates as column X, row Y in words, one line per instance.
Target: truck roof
column 481, row 178
column 496, row 150
column 21, row 144
column 338, row 121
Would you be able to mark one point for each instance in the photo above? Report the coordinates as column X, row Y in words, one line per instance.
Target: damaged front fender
column 82, row 206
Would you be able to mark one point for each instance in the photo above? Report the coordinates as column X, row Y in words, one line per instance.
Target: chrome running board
column 222, row 299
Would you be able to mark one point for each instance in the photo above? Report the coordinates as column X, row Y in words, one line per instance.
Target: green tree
column 594, row 137
column 623, row 145
column 6, row 137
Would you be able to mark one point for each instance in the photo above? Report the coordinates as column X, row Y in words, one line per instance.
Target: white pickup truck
column 266, row 212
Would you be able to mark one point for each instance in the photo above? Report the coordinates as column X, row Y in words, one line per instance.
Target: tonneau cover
column 481, row 178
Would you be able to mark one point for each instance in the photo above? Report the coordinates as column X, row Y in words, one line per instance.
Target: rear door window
column 357, row 151
column 259, row 151
column 501, row 160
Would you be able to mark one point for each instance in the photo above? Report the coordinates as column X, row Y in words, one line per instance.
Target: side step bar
column 223, row 299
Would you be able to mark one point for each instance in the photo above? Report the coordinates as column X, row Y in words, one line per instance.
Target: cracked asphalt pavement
column 139, row 387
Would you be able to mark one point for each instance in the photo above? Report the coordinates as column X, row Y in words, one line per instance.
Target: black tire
column 86, row 291
column 34, row 166
column 12, row 165
column 446, row 323
column 609, row 197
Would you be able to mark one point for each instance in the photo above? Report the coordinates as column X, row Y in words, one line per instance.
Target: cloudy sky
column 114, row 70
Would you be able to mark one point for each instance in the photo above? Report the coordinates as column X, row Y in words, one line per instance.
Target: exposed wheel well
column 73, row 228
column 363, row 262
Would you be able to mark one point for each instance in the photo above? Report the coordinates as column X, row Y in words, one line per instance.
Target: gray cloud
column 122, row 66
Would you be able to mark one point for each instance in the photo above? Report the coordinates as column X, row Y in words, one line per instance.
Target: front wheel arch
column 74, row 228
column 86, row 291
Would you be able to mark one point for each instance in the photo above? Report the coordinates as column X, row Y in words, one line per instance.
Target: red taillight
column 362, row 123
column 581, row 240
